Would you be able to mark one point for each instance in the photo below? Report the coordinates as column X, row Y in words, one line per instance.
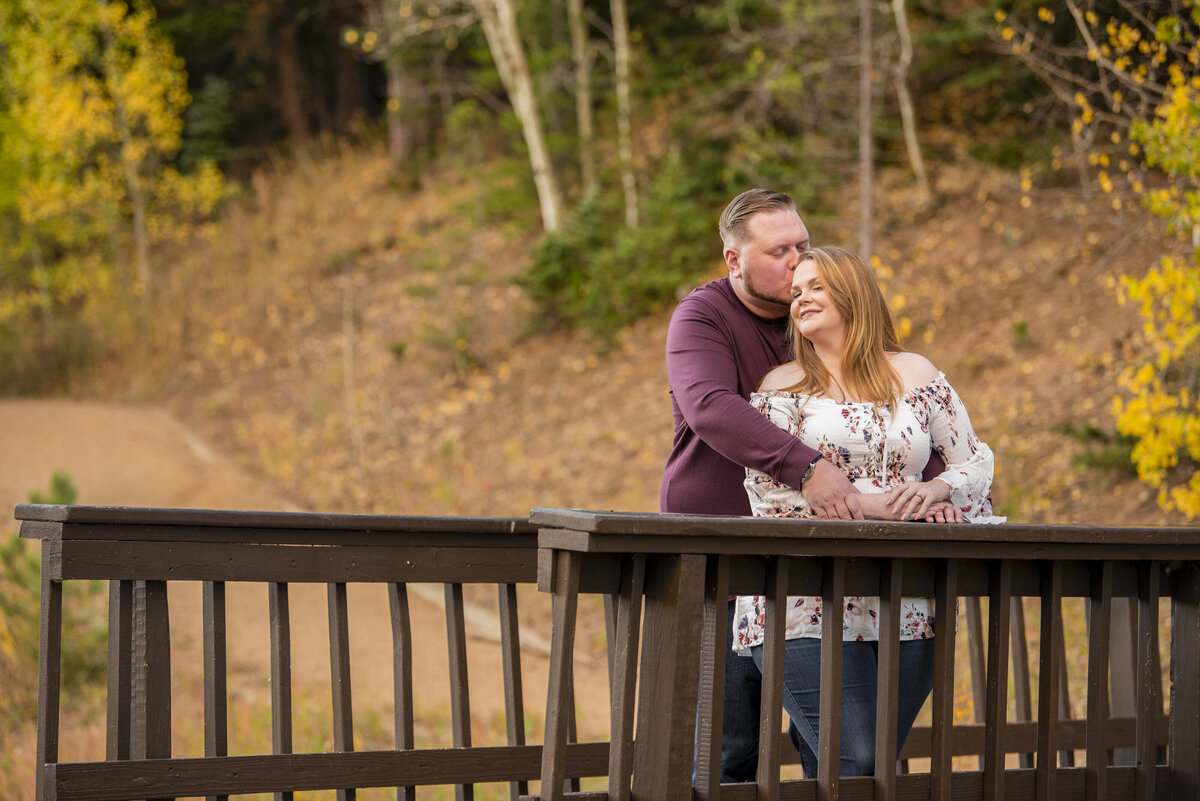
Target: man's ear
column 733, row 260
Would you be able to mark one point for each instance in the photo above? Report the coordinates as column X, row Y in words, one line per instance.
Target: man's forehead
column 782, row 224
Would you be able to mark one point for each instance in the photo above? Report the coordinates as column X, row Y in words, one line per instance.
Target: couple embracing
column 793, row 398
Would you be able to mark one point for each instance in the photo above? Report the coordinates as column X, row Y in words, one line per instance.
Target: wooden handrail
column 668, row 578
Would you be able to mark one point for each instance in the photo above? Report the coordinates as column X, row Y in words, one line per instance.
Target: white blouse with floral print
column 878, row 448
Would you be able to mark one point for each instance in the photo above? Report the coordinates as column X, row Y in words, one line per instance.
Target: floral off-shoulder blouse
column 878, row 447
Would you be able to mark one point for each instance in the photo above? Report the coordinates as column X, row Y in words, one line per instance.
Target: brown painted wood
column 771, row 702
column 120, row 668
column 714, row 645
column 1100, row 613
column 1149, row 684
column 1018, row 737
column 647, row 526
column 1183, row 743
column 237, row 520
column 279, row 616
column 510, row 656
column 623, row 681
column 1123, row 661
column 460, row 686
column 888, row 678
column 942, row 751
column 997, row 680
column 238, row 775
column 670, row 667
column 201, row 561
column 565, row 566
column 402, row 676
column 1049, row 680
column 1022, row 695
column 216, row 714
column 977, row 657
column 829, row 738
column 339, row 677
column 49, row 676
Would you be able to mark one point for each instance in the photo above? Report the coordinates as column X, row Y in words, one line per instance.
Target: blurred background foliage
column 608, row 135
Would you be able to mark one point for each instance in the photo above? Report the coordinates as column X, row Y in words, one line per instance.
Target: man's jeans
column 802, row 692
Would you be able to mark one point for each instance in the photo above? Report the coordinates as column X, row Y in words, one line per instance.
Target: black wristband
column 808, row 472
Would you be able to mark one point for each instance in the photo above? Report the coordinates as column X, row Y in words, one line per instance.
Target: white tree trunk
column 907, row 115
column 581, row 55
column 866, row 173
column 620, row 21
column 499, row 21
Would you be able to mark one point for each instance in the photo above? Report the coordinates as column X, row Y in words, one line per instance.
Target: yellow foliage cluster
column 1139, row 79
column 90, row 115
column 1163, row 412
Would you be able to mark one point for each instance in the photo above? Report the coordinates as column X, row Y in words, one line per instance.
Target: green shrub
column 599, row 276
column 85, row 627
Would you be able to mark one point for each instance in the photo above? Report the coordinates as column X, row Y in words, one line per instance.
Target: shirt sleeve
column 702, row 370
column 970, row 463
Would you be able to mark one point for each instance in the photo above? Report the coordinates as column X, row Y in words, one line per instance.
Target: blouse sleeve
column 969, row 461
column 768, row 497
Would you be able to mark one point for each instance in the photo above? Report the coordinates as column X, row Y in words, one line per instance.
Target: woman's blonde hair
column 870, row 332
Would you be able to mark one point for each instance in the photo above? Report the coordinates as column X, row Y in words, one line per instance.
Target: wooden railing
column 139, row 551
column 683, row 570
column 667, row 579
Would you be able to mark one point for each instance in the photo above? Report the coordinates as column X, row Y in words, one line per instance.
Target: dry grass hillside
column 362, row 349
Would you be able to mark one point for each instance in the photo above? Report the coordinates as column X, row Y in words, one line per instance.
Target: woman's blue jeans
column 802, row 697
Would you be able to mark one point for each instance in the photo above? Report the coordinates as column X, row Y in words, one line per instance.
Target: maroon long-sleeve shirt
column 717, row 353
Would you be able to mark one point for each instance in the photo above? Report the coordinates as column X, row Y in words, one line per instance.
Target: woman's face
column 813, row 311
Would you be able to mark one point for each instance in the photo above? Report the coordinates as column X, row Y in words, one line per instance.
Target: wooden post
column 1183, row 737
column 666, row 725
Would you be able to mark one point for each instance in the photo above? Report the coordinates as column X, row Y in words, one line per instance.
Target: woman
column 877, row 413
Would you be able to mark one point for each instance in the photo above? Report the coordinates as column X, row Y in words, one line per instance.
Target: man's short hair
column 736, row 217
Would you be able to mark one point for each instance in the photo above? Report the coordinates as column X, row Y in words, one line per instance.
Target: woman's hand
column 914, row 500
column 944, row 512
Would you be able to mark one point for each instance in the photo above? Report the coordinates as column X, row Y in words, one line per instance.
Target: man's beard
column 752, row 291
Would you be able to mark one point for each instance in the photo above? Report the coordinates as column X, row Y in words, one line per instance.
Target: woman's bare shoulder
column 782, row 377
column 914, row 369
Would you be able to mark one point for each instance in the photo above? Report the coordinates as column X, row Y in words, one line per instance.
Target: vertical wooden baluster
column 628, row 609
column 1183, row 727
column 120, row 667
column 999, row 591
column 514, row 699
column 339, row 673
column 1123, row 671
column 1022, row 693
column 829, row 738
column 216, row 698
column 49, row 674
column 978, row 661
column 1049, row 679
column 771, row 715
column 402, row 679
column 714, row 646
column 942, row 760
column 1067, row 756
column 460, row 698
column 281, row 673
column 565, row 588
column 1097, row 685
column 891, row 577
column 150, row 727
column 610, row 633
column 1149, row 687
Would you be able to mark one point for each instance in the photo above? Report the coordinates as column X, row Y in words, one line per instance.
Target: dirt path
column 127, row 455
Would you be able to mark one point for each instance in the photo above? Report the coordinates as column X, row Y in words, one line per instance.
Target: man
column 723, row 338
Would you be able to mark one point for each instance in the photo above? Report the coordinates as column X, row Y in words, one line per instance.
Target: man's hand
column 830, row 494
